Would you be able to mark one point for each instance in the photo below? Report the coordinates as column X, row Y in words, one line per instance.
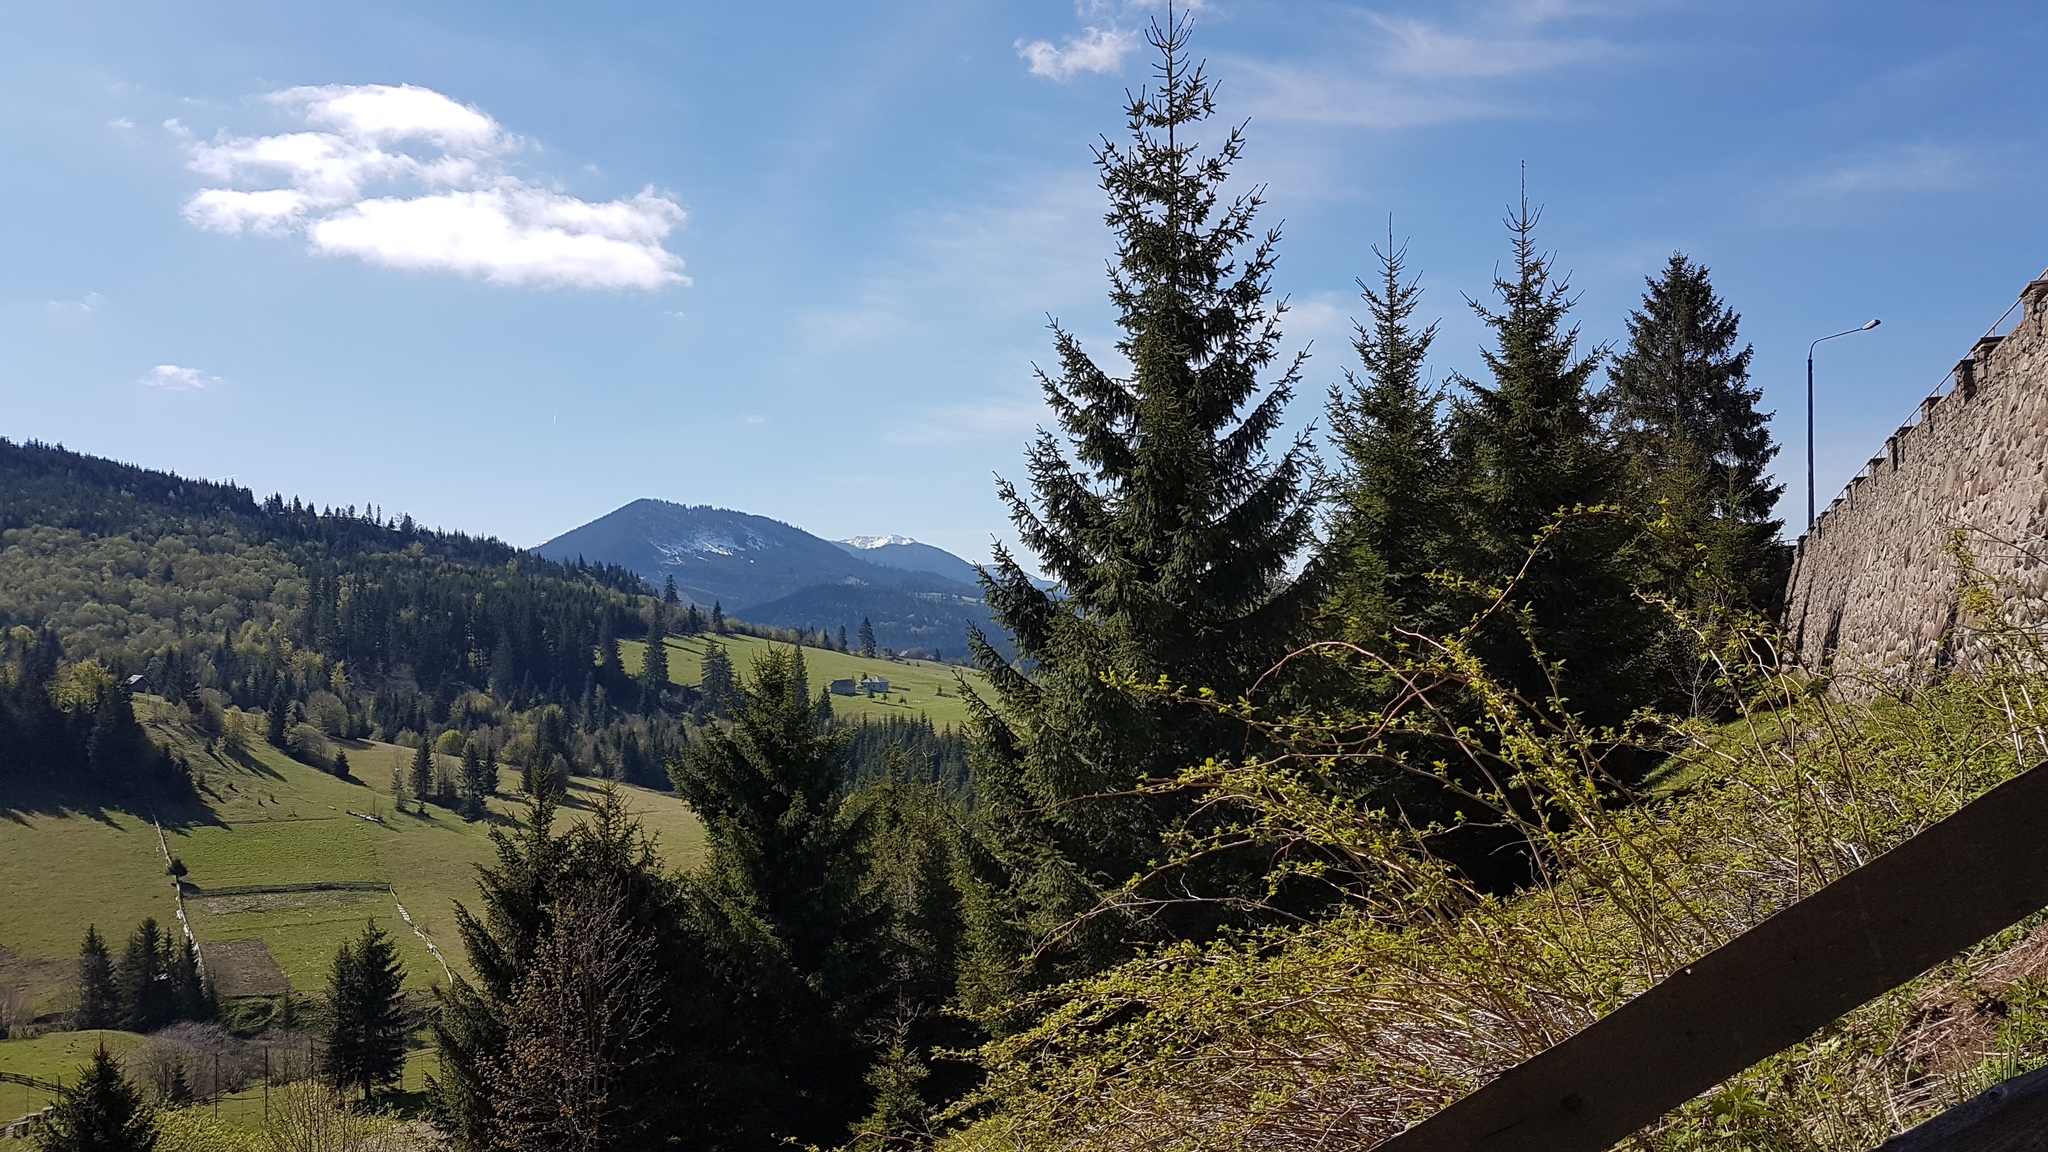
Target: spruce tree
column 782, row 901
column 474, row 786
column 1167, row 517
column 569, row 928
column 1392, row 518
column 717, row 682
column 717, row 618
column 143, row 978
column 101, row 1113
column 1530, row 450
column 420, row 781
column 192, row 996
column 841, row 645
column 99, row 1001
column 368, row 1026
column 277, row 717
column 867, row 638
column 654, row 669
column 1696, row 447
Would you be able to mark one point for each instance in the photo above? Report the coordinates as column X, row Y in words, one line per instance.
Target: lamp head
column 1869, row 326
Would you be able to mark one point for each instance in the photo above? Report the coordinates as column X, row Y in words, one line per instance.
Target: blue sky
column 796, row 259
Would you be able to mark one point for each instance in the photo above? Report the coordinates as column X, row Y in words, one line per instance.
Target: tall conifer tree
column 1530, row 449
column 1686, row 417
column 101, row 1113
column 99, row 1001
column 1392, row 519
column 366, row 1035
column 1165, row 516
column 420, row 781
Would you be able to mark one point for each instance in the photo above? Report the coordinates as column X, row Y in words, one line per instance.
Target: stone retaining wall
column 1873, row 585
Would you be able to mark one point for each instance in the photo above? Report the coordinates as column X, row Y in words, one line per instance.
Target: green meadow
column 915, row 686
column 285, row 862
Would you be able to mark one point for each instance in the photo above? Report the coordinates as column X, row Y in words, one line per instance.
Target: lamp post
column 1809, row 414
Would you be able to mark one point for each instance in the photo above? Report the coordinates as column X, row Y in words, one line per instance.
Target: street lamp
column 1809, row 414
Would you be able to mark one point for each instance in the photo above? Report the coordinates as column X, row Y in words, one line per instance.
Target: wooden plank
column 2011, row 1117
column 1975, row 873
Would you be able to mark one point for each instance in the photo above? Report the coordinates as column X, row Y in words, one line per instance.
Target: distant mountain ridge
column 768, row 572
column 909, row 555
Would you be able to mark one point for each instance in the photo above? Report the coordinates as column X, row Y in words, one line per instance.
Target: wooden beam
column 2011, row 1117
column 1957, row 882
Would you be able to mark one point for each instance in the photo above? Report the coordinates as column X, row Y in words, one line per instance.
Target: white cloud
column 172, row 378
column 1095, row 50
column 121, row 122
column 405, row 177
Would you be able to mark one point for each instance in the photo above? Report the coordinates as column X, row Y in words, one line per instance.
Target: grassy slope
column 270, row 821
column 916, row 686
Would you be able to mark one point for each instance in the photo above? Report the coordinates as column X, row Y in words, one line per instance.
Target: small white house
column 875, row 685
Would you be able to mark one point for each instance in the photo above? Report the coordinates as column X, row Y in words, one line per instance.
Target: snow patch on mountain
column 876, row 541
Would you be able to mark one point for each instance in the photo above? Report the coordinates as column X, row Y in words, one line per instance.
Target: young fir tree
column 841, row 645
column 654, row 668
column 341, row 763
column 1171, row 528
column 99, row 1001
column 1696, row 447
column 717, row 682
column 1529, row 450
column 1392, row 518
column 148, row 1001
column 867, row 638
column 565, row 926
column 420, row 779
column 717, row 618
column 101, row 1113
column 781, row 899
column 192, row 995
column 367, row 1020
column 473, row 785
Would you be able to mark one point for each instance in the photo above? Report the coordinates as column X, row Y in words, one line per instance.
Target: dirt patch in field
column 30, row 987
column 244, row 968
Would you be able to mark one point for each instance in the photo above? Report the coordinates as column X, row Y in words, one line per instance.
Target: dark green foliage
column 157, row 982
column 368, row 1025
column 1528, row 447
column 717, row 618
column 654, row 670
column 148, row 1001
column 867, row 638
column 1696, row 447
column 476, row 783
column 1393, row 517
column 420, row 778
column 1171, row 528
column 74, row 726
column 506, row 1054
column 928, row 753
column 101, row 1113
column 788, row 922
column 717, row 684
column 99, row 1001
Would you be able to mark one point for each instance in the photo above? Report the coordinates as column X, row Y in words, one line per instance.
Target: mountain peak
column 876, row 541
